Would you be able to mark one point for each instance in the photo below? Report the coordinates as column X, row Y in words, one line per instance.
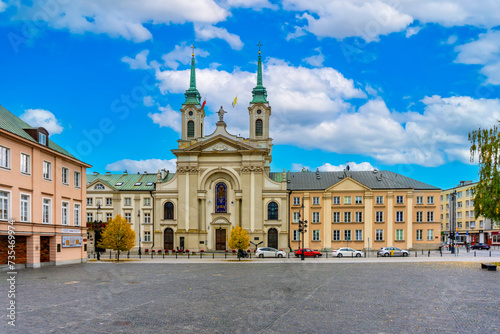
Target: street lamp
column 139, row 222
column 98, row 208
column 302, row 230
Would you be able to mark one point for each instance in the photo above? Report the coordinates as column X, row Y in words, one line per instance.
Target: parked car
column 269, row 252
column 307, row 252
column 392, row 251
column 480, row 245
column 346, row 251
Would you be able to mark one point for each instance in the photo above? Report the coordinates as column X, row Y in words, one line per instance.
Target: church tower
column 259, row 111
column 193, row 115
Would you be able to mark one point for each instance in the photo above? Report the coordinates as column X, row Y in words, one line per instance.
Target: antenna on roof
column 348, row 168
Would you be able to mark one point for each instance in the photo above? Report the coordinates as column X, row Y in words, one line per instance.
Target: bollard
column 188, row 255
column 428, row 253
column 140, row 256
column 490, row 253
column 474, row 253
column 110, row 255
column 225, row 255
column 151, row 254
column 415, row 253
column 213, row 255
column 422, row 252
column 327, row 255
column 441, row 251
column 365, row 255
column 94, row 256
column 176, row 255
column 163, row 254
column 352, row 255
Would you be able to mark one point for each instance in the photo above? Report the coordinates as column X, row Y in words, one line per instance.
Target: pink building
column 42, row 198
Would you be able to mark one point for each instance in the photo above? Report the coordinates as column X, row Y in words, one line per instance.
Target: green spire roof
column 192, row 94
column 259, row 93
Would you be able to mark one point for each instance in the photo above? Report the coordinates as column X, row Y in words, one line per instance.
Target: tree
column 486, row 145
column 239, row 239
column 118, row 236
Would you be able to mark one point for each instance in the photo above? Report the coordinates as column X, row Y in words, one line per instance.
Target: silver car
column 269, row 252
column 346, row 251
column 392, row 251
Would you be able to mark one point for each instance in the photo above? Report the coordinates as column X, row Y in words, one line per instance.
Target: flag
column 235, row 100
column 204, row 102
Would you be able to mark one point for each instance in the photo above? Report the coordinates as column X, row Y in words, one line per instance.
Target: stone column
column 33, row 251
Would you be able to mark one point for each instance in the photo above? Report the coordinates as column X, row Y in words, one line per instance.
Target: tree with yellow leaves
column 118, row 236
column 239, row 239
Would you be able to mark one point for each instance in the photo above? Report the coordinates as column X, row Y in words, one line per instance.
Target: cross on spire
column 192, row 47
column 259, row 46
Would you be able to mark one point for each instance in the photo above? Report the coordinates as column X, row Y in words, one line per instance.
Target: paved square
column 256, row 297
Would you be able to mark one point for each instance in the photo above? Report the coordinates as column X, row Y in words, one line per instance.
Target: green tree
column 486, row 145
column 118, row 236
column 239, row 239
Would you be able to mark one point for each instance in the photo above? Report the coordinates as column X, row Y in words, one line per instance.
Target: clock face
column 190, row 113
column 259, row 111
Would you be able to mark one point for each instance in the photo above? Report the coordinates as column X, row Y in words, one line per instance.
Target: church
column 222, row 181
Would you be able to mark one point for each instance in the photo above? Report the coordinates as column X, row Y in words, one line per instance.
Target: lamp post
column 453, row 220
column 139, row 222
column 302, row 230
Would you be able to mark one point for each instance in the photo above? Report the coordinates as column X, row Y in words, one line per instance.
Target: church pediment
column 100, row 185
column 348, row 184
column 221, row 144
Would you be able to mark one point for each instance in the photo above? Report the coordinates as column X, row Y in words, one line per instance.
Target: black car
column 480, row 246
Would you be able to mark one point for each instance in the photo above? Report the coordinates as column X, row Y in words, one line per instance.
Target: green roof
column 15, row 125
column 127, row 182
column 277, row 177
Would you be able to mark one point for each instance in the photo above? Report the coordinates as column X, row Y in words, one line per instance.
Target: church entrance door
column 272, row 238
column 168, row 239
column 220, row 239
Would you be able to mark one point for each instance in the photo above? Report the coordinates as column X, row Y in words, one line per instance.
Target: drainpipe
column 153, row 218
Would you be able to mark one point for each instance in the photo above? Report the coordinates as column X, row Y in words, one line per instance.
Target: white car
column 269, row 252
column 346, row 251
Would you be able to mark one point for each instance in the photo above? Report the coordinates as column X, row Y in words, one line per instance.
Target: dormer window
column 119, row 184
column 149, row 183
column 42, row 138
column 138, row 183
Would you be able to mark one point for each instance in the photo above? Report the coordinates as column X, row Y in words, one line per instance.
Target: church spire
column 192, row 94
column 259, row 93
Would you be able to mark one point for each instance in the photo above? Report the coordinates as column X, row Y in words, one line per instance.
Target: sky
column 388, row 84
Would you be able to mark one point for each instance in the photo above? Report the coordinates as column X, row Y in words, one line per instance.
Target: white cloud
column 139, row 62
column 412, row 31
column 140, row 166
column 42, row 118
column 3, row 6
column 125, row 18
column 316, row 60
column 254, row 4
column 181, row 55
column 205, row 32
column 148, row 101
column 363, row 166
column 298, row 32
column 168, row 118
column 299, row 167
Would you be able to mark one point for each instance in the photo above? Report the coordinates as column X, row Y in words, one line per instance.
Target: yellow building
column 470, row 228
column 363, row 210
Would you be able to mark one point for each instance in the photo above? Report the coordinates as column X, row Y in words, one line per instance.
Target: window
column 420, row 200
column 472, row 224
column 481, row 224
column 4, row 157
column 420, row 216
column 109, row 201
column 399, row 216
column 147, row 218
column 137, row 184
column 359, row 217
column 399, row 199
column 336, row 200
column 147, row 201
column 358, row 199
column 4, row 205
column 168, row 210
column 447, row 225
column 65, row 175
column 315, row 217
column 379, row 216
column 399, row 235
column 190, row 129
column 441, row 198
column 296, row 201
column 149, row 184
column 467, row 203
column 459, row 204
column 315, row 200
column 469, row 192
column 347, row 235
column 441, row 216
column 47, row 170
column 258, row 127
column 25, row 163
column 419, row 235
column 441, row 207
column 118, row 184
column 89, row 201
column 336, row 235
column 76, row 215
column 459, row 194
column 472, row 213
column 272, row 211
column 347, row 199
column 336, row 217
column 379, row 235
column 25, row 208
column 90, row 217
column 128, row 217
column 430, row 216
column 459, row 225
column 447, row 197
column 128, row 201
column 77, row 179
column 42, row 138
column 99, row 187
column 447, row 206
column 430, row 235
column 466, row 213
column 147, row 236
column 380, row 200
column 315, row 235
column 347, row 217
column 109, row 216
column 296, row 235
column 467, row 225
column 64, row 216
column 359, row 235
column 296, row 217
column 447, row 216
column 46, row 211
column 430, row 199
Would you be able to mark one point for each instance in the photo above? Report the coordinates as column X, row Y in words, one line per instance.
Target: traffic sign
column 467, row 233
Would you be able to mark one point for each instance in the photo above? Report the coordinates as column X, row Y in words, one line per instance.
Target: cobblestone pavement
column 268, row 296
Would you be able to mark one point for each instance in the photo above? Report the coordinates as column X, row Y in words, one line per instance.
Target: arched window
column 168, row 211
column 272, row 211
column 258, row 127
column 221, row 197
column 190, row 129
column 99, row 187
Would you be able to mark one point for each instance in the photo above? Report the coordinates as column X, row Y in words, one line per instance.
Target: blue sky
column 381, row 84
